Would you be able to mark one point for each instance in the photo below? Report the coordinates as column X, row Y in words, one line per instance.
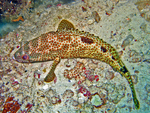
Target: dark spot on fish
column 113, row 58
column 124, row 69
column 86, row 40
column 103, row 49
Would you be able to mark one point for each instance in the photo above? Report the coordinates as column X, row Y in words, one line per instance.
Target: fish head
column 22, row 55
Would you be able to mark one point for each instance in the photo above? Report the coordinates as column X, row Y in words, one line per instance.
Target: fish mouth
column 13, row 58
column 17, row 58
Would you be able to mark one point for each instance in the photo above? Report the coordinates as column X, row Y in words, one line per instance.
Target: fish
column 67, row 43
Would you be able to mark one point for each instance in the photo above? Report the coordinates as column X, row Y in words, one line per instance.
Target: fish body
column 68, row 42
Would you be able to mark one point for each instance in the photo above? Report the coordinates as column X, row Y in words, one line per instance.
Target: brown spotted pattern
column 69, row 44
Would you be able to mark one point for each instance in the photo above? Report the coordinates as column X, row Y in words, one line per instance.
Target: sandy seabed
column 94, row 86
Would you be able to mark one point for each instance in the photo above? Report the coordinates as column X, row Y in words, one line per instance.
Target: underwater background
column 81, row 85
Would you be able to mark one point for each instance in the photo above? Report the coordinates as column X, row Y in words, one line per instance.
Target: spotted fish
column 68, row 42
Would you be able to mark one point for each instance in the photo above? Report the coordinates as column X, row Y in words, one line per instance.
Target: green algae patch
column 96, row 101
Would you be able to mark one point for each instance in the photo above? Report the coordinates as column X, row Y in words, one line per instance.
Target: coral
column 92, row 65
column 109, row 75
column 27, row 108
column 144, row 8
column 10, row 8
column 127, row 40
column 100, row 93
column 75, row 103
column 89, row 74
column 55, row 100
column 134, row 79
column 84, row 91
column 142, row 4
column 92, row 77
column 96, row 16
column 11, row 105
column 68, row 94
column 96, row 100
column 115, row 93
column 134, row 56
column 75, row 72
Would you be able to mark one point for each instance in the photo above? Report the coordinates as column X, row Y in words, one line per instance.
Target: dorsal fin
column 65, row 24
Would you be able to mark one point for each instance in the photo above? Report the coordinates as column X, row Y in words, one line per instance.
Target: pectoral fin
column 51, row 75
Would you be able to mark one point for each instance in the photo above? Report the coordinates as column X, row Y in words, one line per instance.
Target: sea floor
column 81, row 85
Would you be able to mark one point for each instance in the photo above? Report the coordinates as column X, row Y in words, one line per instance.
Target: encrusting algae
column 68, row 42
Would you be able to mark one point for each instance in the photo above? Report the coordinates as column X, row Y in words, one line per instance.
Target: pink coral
column 84, row 91
column 75, row 73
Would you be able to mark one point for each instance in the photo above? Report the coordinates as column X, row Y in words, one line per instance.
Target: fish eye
column 25, row 57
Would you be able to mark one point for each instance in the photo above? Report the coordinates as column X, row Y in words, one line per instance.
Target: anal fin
column 51, row 75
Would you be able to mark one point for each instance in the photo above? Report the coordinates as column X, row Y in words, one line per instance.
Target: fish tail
column 135, row 100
